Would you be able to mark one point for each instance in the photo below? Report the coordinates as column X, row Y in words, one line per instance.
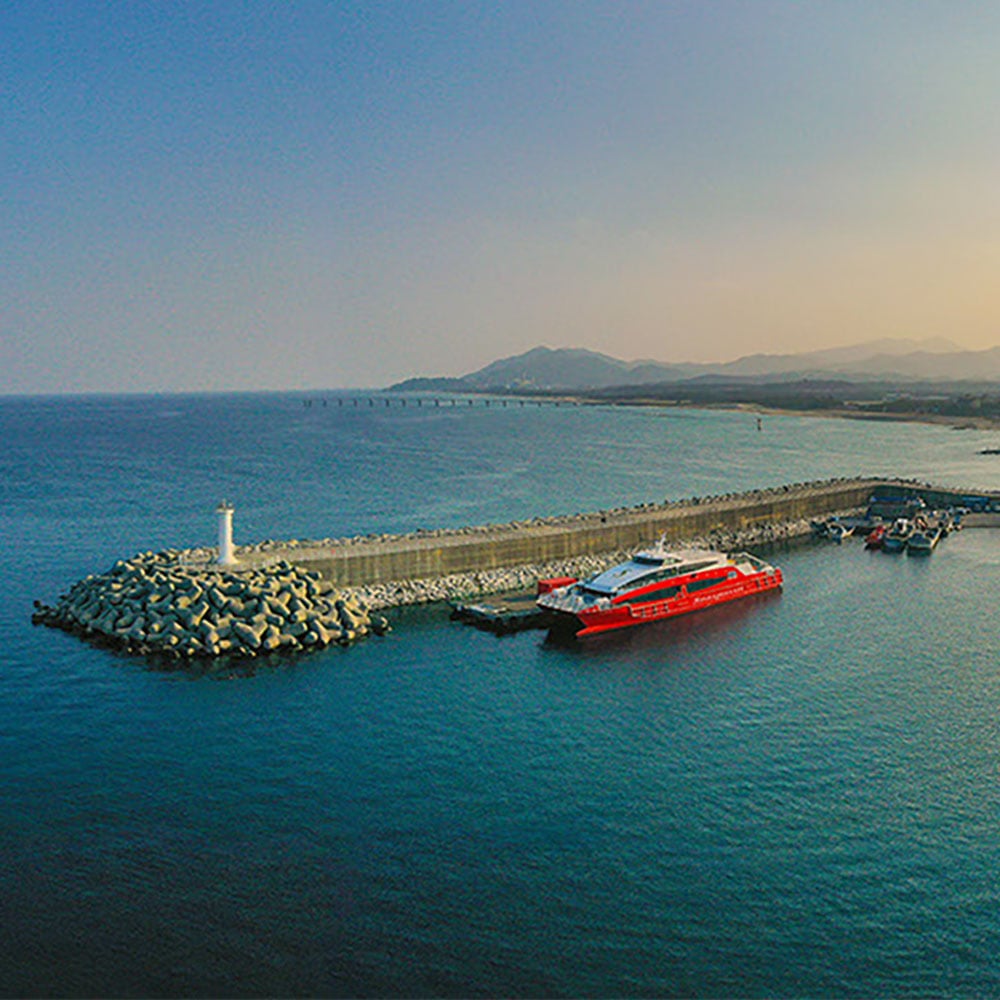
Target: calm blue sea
column 797, row 797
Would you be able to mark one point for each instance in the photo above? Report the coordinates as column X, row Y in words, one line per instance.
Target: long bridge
column 384, row 400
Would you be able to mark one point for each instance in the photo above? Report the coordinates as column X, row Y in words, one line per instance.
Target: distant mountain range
column 573, row 369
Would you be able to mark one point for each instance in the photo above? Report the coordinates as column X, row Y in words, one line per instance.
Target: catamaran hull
column 594, row 621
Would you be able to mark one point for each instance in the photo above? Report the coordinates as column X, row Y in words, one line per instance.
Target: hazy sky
column 295, row 195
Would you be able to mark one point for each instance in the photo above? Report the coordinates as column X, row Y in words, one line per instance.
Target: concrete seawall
column 363, row 562
column 181, row 602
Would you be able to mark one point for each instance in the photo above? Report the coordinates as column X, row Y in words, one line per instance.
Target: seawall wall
column 372, row 561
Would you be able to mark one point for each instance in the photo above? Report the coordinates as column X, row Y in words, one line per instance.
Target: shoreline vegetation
column 839, row 413
column 889, row 379
column 967, row 412
column 956, row 423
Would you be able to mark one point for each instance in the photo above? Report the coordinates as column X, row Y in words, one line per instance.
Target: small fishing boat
column 838, row 530
column 923, row 540
column 820, row 528
column 655, row 584
column 876, row 537
column 896, row 538
column 943, row 520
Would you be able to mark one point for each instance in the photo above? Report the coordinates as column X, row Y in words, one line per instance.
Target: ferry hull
column 595, row 621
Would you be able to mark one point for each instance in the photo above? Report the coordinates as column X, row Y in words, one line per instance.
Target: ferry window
column 660, row 594
column 697, row 585
column 692, row 568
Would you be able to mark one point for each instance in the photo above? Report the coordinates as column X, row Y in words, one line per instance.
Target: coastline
column 958, row 423
column 844, row 413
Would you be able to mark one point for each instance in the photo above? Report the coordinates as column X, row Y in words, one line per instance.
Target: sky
column 321, row 195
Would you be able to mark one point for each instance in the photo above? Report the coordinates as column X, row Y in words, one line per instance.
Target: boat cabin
column 645, row 568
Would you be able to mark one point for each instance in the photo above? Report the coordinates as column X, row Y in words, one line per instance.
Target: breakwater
column 308, row 594
column 737, row 518
column 164, row 604
column 524, row 578
column 392, row 570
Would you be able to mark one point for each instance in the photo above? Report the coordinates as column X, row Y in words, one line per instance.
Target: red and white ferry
column 654, row 584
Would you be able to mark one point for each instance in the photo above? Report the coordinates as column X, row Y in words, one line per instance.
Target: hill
column 576, row 369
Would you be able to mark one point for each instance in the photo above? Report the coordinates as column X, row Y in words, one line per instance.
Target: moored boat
column 876, row 536
column 655, row 584
column 820, row 528
column 838, row 530
column 896, row 538
column 943, row 520
column 922, row 541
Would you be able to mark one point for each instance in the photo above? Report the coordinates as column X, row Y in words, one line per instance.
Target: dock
column 502, row 614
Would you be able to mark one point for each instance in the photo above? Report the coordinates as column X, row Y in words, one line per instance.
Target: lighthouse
column 226, row 555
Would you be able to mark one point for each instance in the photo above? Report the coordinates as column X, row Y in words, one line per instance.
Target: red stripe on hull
column 595, row 621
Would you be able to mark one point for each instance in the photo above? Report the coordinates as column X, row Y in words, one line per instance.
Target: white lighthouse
column 227, row 556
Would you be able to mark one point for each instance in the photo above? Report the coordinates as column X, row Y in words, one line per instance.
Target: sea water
column 796, row 795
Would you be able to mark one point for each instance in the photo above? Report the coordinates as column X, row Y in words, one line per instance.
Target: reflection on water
column 789, row 795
